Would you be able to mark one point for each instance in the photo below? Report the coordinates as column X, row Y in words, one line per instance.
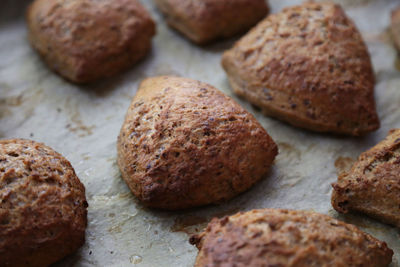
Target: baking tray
column 83, row 122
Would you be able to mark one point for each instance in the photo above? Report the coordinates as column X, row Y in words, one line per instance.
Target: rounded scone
column 203, row 21
column 309, row 66
column 43, row 208
column 287, row 238
column 372, row 185
column 185, row 144
column 85, row 40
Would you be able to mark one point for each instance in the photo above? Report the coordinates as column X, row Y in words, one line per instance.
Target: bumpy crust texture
column 395, row 27
column 42, row 205
column 308, row 66
column 372, row 186
column 203, row 21
column 273, row 237
column 186, row 144
column 85, row 40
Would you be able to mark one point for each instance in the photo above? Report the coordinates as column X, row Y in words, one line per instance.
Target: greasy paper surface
column 83, row 122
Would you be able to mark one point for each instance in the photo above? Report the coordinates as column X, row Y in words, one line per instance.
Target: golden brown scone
column 203, row 21
column 287, row 238
column 308, row 66
column 42, row 205
column 372, row 186
column 185, row 144
column 85, row 40
column 395, row 27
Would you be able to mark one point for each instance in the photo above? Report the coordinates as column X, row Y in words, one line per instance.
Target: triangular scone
column 85, row 40
column 395, row 27
column 185, row 144
column 308, row 66
column 372, row 186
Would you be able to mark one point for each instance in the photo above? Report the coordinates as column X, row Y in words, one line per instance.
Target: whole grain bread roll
column 85, row 40
column 372, row 185
column 185, row 144
column 287, row 238
column 203, row 21
column 43, row 208
column 395, row 27
column 309, row 66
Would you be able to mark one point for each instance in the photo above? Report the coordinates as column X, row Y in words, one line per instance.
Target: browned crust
column 42, row 205
column 203, row 21
column 273, row 237
column 85, row 40
column 308, row 66
column 372, row 186
column 395, row 27
column 186, row 144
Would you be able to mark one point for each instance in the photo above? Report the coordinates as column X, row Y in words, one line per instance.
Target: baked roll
column 308, row 66
column 395, row 27
column 203, row 21
column 185, row 144
column 43, row 208
column 85, row 40
column 287, row 238
column 372, row 185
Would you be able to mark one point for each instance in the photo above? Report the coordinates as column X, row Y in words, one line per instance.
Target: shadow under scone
column 185, row 144
column 309, row 66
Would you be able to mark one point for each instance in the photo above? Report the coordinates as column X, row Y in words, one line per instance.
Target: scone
column 203, row 21
column 85, row 40
column 287, row 238
column 395, row 27
column 308, row 66
column 43, row 206
column 185, row 144
column 372, row 185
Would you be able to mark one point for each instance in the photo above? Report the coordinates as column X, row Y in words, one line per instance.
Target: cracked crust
column 308, row 66
column 372, row 186
column 86, row 40
column 203, row 21
column 42, row 205
column 274, row 237
column 185, row 144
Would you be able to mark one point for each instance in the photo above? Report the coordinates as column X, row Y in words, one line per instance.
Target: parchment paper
column 83, row 122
